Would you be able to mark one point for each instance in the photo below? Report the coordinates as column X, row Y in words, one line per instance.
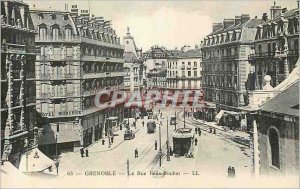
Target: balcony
column 262, row 55
column 44, row 76
column 188, row 67
column 71, row 39
column 101, row 43
column 94, row 75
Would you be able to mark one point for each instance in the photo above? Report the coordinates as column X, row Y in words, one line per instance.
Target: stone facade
column 80, row 56
column 19, row 129
column 276, row 47
column 184, row 70
column 225, row 61
column 278, row 134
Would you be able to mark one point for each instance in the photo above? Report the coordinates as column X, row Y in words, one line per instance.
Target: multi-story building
column 18, row 114
column 184, row 70
column 225, row 63
column 133, row 67
column 156, row 67
column 80, row 56
column 276, row 47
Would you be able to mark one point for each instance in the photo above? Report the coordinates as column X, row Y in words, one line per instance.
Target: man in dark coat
column 155, row 145
column 196, row 141
column 196, row 129
column 136, row 153
column 81, row 152
column 86, row 152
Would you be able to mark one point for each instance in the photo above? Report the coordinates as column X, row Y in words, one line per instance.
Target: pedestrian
column 196, row 129
column 233, row 172
column 103, row 142
column 112, row 139
column 214, row 131
column 196, row 141
column 158, row 110
column 229, row 172
column 199, row 132
column 171, row 151
column 143, row 123
column 86, row 152
column 81, row 152
column 210, row 130
column 155, row 145
column 136, row 153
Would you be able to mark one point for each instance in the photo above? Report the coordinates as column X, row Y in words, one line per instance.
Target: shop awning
column 8, row 170
column 220, row 114
column 35, row 161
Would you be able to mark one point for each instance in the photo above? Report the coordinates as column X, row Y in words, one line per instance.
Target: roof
column 190, row 54
column 129, row 56
column 288, row 14
column 286, row 102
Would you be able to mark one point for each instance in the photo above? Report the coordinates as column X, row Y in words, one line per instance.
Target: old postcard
column 149, row 94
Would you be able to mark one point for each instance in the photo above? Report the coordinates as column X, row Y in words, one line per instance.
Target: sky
column 171, row 23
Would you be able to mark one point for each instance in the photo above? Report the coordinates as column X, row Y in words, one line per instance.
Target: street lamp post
column 56, row 155
column 168, row 148
column 175, row 120
column 160, row 151
column 183, row 116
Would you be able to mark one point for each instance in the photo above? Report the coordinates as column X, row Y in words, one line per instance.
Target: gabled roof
column 287, row 102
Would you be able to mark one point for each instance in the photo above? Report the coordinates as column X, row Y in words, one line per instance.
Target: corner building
column 80, row 56
column 276, row 47
column 19, row 129
column 225, row 63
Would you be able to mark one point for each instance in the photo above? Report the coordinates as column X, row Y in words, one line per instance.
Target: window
column 53, row 16
column 195, row 73
column 55, row 32
column 41, row 16
column 68, row 33
column 195, row 64
column 42, row 32
column 66, row 17
column 274, row 147
column 189, row 73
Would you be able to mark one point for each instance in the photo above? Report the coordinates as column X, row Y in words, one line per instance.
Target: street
column 208, row 159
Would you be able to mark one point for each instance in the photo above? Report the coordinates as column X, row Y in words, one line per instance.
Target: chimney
column 217, row 26
column 237, row 20
column 284, row 10
column 228, row 22
column 74, row 10
column 66, row 7
column 245, row 18
column 265, row 17
column 275, row 11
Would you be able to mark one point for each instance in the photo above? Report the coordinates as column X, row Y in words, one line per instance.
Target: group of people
column 231, row 172
column 212, row 131
column 198, row 130
column 82, row 150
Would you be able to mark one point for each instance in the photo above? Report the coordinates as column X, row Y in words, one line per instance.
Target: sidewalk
column 222, row 128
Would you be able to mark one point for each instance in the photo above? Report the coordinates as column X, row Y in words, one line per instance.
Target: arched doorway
column 273, row 136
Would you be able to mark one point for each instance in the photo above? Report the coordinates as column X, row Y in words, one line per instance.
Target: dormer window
column 40, row 16
column 66, row 17
column 53, row 16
